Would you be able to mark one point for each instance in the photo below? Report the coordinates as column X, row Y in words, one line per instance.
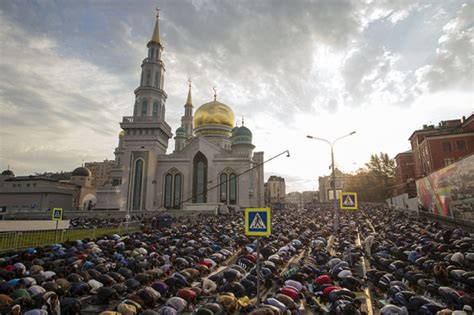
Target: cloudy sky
column 291, row 68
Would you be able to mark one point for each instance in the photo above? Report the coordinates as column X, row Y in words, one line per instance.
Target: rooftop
column 276, row 178
column 444, row 127
column 31, row 177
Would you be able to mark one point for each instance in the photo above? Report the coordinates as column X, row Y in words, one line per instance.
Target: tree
column 374, row 182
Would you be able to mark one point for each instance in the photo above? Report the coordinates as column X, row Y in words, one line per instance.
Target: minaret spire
column 187, row 119
column 215, row 93
column 155, row 38
column 189, row 100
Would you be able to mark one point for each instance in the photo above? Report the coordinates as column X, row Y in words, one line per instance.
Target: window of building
column 148, row 77
column 200, row 178
column 177, row 191
column 223, row 188
column 137, row 185
column 461, row 145
column 144, row 107
column 157, row 79
column 168, row 190
column 34, row 184
column 173, row 190
column 28, row 185
column 233, row 189
column 447, row 146
column 156, row 107
column 448, row 161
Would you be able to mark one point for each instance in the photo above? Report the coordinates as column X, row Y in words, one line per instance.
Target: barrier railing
column 25, row 239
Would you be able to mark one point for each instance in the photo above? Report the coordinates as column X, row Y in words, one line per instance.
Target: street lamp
column 331, row 144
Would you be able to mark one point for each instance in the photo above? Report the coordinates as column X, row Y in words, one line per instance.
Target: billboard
column 449, row 191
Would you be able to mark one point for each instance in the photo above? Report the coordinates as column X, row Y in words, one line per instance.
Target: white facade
column 213, row 161
column 294, row 198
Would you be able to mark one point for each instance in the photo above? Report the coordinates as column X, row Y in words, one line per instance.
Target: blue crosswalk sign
column 57, row 214
column 348, row 201
column 258, row 222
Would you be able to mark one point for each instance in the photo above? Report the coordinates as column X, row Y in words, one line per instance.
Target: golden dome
column 121, row 134
column 214, row 113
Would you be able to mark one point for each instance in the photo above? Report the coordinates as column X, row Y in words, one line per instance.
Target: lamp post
column 333, row 176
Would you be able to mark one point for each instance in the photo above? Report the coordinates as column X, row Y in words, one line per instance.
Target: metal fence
column 26, row 239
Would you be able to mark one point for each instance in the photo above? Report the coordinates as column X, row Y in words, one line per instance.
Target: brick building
column 435, row 147
column 404, row 173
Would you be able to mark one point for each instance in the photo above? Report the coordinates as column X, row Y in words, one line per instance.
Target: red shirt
column 252, row 258
column 208, row 265
column 292, row 293
column 325, row 279
column 187, row 294
column 328, row 290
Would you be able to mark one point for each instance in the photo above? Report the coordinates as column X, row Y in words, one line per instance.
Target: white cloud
column 67, row 75
column 453, row 65
column 52, row 104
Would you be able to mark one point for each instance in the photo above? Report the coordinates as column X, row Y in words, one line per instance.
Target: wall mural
column 449, row 191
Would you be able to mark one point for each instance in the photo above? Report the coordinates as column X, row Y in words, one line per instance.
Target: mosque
column 213, row 166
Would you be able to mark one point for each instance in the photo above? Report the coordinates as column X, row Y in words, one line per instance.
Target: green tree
column 382, row 165
column 374, row 182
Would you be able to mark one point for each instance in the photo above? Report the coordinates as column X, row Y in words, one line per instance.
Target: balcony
column 145, row 122
column 141, row 119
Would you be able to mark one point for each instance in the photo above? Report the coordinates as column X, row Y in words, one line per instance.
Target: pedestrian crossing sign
column 258, row 222
column 57, row 214
column 348, row 201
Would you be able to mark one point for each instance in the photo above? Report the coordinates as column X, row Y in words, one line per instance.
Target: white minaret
column 146, row 133
column 187, row 119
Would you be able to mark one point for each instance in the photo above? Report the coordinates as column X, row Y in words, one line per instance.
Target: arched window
column 168, row 190
column 144, row 107
column 232, row 189
column 173, row 190
column 200, row 178
column 157, row 79
column 137, row 185
column 156, row 107
column 148, row 78
column 177, row 191
column 223, row 188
